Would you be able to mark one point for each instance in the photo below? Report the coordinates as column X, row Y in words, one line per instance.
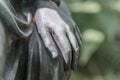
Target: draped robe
column 23, row 55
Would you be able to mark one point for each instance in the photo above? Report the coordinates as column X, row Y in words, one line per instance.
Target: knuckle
column 60, row 29
column 54, row 54
column 49, row 44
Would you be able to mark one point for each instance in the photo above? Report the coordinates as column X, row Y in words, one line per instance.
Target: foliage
column 99, row 22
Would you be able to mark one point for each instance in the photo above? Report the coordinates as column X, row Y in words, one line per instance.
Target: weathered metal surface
column 45, row 49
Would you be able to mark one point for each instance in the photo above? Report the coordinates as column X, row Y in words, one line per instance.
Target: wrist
column 56, row 1
column 45, row 4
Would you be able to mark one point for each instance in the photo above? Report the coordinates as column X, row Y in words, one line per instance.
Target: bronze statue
column 38, row 40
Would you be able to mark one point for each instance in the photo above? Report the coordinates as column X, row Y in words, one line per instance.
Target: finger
column 48, row 41
column 64, row 45
column 72, row 39
column 78, row 35
column 76, row 57
column 75, row 46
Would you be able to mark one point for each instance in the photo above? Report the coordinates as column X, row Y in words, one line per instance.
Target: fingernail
column 54, row 54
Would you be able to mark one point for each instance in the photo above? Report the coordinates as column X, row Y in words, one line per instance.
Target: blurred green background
column 99, row 22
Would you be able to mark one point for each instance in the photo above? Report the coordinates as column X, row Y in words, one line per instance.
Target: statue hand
column 56, row 28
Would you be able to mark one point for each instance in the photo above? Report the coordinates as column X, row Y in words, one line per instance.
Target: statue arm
column 61, row 4
column 64, row 8
column 56, row 1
